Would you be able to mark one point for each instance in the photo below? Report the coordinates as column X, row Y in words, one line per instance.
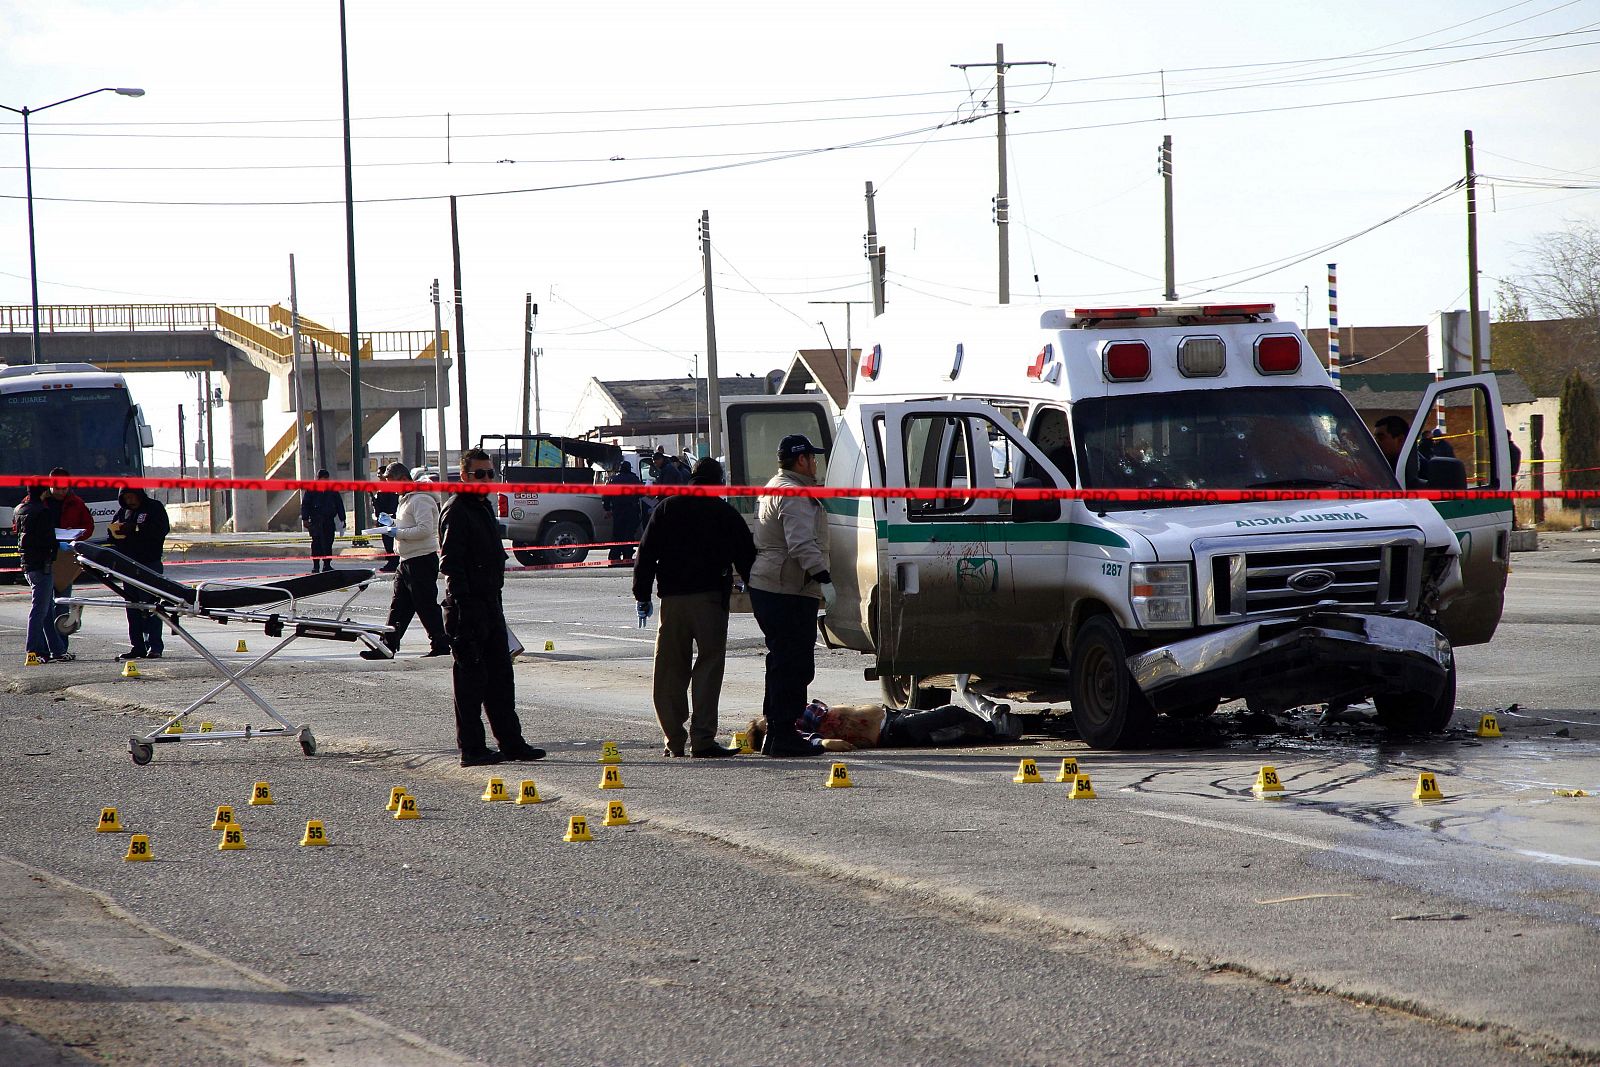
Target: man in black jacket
column 474, row 565
column 139, row 531
column 321, row 513
column 624, row 515
column 690, row 549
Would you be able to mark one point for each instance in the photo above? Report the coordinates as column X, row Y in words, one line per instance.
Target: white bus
column 70, row 415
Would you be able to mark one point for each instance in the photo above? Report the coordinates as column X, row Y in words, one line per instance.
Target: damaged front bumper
column 1326, row 657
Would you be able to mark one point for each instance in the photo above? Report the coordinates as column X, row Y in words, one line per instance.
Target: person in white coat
column 416, row 583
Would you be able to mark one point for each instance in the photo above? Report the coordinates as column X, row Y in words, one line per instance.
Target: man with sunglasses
column 473, row 562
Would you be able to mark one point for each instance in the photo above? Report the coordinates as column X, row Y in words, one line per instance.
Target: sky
column 584, row 140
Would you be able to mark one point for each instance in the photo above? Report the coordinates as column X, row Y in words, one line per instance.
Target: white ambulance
column 1134, row 609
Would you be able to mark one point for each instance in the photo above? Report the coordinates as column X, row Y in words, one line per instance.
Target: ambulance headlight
column 1161, row 594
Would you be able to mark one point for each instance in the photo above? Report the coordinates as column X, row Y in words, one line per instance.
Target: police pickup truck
column 1131, row 610
column 548, row 528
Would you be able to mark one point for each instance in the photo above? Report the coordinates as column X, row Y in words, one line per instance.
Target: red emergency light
column 872, row 363
column 1222, row 310
column 1278, row 354
column 1116, row 313
column 1126, row 361
column 1036, row 368
column 1177, row 311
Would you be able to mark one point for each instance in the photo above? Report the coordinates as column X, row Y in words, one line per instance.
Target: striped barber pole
column 1333, row 324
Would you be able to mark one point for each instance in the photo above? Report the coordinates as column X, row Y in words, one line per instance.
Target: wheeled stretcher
column 274, row 605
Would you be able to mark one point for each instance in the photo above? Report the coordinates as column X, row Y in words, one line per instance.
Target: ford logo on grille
column 1312, row 580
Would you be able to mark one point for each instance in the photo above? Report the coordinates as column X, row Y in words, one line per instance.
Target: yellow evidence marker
column 33, row 660
column 616, row 814
column 1069, row 770
column 261, row 794
column 1489, row 725
column 495, row 790
column 578, row 829
column 1082, row 788
column 741, row 741
column 549, row 646
column 207, row 727
column 528, row 793
column 242, row 646
column 315, row 834
column 175, row 728
column 609, row 753
column 224, row 818
column 407, row 808
column 1427, row 787
column 1268, row 785
column 232, row 840
column 839, row 777
column 394, row 798
column 109, row 823
column 1027, row 771
column 138, row 849
column 131, row 670
column 611, row 778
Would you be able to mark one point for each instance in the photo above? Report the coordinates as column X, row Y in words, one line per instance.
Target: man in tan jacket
column 789, row 577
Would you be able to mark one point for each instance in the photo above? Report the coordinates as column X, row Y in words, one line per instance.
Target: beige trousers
column 691, row 647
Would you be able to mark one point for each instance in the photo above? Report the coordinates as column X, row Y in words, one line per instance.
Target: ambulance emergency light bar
column 1174, row 311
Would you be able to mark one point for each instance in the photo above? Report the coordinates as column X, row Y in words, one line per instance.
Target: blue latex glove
column 645, row 608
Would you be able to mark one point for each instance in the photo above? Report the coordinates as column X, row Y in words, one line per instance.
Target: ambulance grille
column 1280, row 579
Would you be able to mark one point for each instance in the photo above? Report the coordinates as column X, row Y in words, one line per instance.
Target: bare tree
column 1563, row 276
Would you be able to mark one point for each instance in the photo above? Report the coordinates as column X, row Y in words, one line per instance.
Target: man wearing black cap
column 789, row 577
column 691, row 549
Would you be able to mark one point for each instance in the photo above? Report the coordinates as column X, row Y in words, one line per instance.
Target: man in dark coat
column 624, row 515
column 139, row 531
column 321, row 513
column 387, row 503
column 691, row 549
column 473, row 562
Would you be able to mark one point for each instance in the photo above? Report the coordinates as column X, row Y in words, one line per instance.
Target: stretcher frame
column 287, row 626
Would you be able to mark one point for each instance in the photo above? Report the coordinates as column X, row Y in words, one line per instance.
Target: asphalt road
column 935, row 913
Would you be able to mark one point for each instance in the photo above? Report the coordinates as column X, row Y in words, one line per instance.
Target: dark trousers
column 416, row 593
column 623, row 528
column 321, row 545
column 789, row 624
column 390, row 560
column 144, row 627
column 949, row 725
column 481, row 672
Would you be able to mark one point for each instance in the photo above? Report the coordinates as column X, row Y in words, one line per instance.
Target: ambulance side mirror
column 1034, row 510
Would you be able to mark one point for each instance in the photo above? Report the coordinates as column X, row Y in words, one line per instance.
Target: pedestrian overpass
column 250, row 346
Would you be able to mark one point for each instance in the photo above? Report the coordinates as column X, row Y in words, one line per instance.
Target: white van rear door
column 1471, row 452
column 752, row 426
column 946, row 601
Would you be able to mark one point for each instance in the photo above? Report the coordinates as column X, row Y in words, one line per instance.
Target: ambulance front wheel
column 1108, row 709
column 1416, row 713
column 905, row 692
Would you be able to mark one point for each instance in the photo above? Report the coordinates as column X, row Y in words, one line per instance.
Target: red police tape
column 1188, row 496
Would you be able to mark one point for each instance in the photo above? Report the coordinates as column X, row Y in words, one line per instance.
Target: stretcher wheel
column 308, row 742
column 140, row 751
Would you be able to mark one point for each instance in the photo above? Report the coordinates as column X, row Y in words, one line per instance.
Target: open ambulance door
column 1468, row 449
column 752, row 426
column 946, row 596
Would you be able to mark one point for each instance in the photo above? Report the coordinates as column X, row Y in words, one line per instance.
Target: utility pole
column 212, row 496
column 301, row 457
column 1472, row 256
column 461, row 330
column 438, row 382
column 537, row 352
column 844, row 364
column 530, row 312
column 713, row 392
column 874, row 253
column 1166, row 183
column 183, row 460
column 1002, row 204
column 358, row 443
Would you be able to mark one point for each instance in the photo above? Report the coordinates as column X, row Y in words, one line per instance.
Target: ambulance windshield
column 1273, row 437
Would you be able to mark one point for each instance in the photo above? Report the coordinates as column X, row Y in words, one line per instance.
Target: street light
column 27, row 166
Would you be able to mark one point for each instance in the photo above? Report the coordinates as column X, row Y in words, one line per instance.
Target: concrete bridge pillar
column 245, row 389
column 411, row 453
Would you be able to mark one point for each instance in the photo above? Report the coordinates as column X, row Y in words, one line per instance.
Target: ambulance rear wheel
column 905, row 692
column 1415, row 713
column 1108, row 709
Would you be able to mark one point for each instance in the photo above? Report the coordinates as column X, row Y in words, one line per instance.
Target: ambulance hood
column 1173, row 530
